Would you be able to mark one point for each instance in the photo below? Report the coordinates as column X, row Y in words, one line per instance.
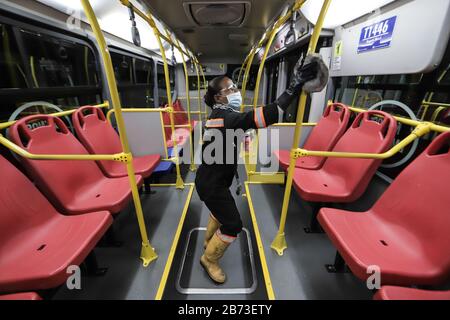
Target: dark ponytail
column 213, row 89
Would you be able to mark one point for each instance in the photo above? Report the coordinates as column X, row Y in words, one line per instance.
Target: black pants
column 213, row 186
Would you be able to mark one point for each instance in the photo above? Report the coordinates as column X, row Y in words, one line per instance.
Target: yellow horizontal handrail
column 144, row 110
column 435, row 104
column 119, row 157
column 8, row 124
column 421, row 130
column 178, row 126
column 131, row 110
column 292, row 124
column 198, row 112
column 436, row 113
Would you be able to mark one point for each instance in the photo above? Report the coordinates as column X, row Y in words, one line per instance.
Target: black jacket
column 220, row 172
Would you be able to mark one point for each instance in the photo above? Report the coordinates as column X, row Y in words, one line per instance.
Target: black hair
column 213, row 89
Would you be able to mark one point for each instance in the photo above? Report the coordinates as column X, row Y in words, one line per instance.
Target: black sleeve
column 260, row 118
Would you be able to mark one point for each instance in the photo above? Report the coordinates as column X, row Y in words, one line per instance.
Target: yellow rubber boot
column 212, row 227
column 210, row 259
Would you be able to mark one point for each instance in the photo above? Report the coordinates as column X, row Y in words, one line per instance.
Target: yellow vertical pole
column 246, row 74
column 355, row 95
column 194, row 61
column 148, row 254
column 243, row 67
column 179, row 182
column 205, row 87
column 188, row 99
column 279, row 243
column 200, row 117
column 261, row 67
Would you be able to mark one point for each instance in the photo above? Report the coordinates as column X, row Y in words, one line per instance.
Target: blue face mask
column 235, row 101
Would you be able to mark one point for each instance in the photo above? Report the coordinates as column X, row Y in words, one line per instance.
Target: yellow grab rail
column 205, row 86
column 435, row 104
column 186, row 78
column 244, row 65
column 268, row 37
column 261, row 67
column 246, row 75
column 199, row 98
column 119, row 157
column 279, row 243
column 293, row 124
column 148, row 254
column 8, row 124
column 421, row 130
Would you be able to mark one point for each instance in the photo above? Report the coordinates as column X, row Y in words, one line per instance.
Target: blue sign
column 377, row 35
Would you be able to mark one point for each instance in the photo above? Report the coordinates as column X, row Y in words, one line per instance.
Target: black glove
column 311, row 76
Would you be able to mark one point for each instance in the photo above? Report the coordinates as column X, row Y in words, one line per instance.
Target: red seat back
column 326, row 133
column 22, row 206
column 57, row 179
column 418, row 201
column 180, row 118
column 96, row 134
column 371, row 132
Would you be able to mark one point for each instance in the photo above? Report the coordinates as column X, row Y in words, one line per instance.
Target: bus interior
column 102, row 123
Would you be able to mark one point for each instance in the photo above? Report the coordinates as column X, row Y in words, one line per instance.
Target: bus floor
column 298, row 274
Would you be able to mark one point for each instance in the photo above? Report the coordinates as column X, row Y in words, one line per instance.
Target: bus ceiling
column 114, row 18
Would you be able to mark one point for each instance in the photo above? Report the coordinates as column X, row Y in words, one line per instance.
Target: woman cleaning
column 216, row 174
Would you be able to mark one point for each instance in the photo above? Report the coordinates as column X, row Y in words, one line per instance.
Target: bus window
column 46, row 66
column 193, row 82
column 56, row 62
column 365, row 91
column 123, row 68
column 439, row 94
column 413, row 90
column 11, row 66
column 291, row 60
column 273, row 70
column 162, row 83
column 135, row 79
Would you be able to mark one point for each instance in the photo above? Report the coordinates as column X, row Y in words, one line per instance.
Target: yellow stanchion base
column 148, row 254
column 279, row 244
column 192, row 168
column 180, row 183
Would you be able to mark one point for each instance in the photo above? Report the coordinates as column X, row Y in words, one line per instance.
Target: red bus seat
column 344, row 179
column 37, row 244
column 406, row 233
column 99, row 137
column 184, row 118
column 21, row 296
column 399, row 293
column 323, row 137
column 181, row 114
column 181, row 134
column 73, row 186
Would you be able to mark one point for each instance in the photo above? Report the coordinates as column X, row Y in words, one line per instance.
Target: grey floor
column 298, row 274
column 126, row 277
column 198, row 217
